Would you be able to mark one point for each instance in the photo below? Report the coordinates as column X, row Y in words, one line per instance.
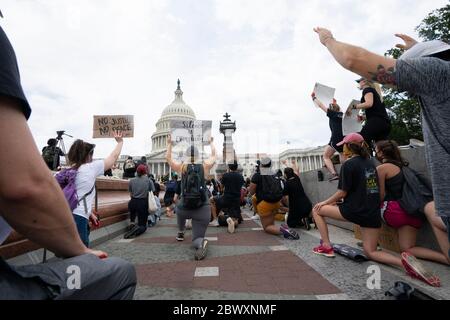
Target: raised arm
column 295, row 168
column 368, row 97
column 358, row 60
column 112, row 158
column 176, row 166
column 209, row 163
column 319, row 103
column 31, row 201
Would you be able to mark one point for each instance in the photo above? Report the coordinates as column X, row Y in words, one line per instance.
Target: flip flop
column 416, row 270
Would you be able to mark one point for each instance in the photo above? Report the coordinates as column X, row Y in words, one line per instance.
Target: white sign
column 324, row 93
column 351, row 123
column 191, row 132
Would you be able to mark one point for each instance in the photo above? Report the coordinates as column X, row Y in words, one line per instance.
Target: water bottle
column 320, row 175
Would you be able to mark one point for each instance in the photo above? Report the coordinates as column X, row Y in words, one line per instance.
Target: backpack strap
column 83, row 198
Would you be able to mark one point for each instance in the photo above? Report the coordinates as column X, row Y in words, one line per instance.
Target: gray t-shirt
column 429, row 79
column 140, row 186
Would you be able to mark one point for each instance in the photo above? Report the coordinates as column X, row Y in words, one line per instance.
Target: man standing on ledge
column 423, row 70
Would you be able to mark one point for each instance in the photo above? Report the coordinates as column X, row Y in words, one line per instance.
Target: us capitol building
column 177, row 110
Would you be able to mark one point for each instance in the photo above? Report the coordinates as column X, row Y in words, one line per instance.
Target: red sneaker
column 416, row 270
column 324, row 251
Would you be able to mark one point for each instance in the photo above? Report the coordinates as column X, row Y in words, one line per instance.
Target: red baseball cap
column 351, row 138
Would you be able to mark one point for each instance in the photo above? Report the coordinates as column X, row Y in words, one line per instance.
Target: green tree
column 403, row 109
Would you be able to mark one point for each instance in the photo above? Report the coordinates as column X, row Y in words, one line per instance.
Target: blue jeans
column 83, row 228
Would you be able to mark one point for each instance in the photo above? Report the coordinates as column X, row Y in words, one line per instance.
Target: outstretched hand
column 324, row 35
column 118, row 135
column 409, row 42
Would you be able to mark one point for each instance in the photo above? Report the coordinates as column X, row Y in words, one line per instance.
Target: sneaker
column 131, row 226
column 188, row 224
column 200, row 254
column 230, row 225
column 180, row 236
column 334, row 177
column 416, row 270
column 324, row 251
column 288, row 233
column 214, row 223
column 131, row 233
column 255, row 217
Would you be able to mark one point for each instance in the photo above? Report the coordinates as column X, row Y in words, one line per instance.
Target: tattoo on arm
column 383, row 75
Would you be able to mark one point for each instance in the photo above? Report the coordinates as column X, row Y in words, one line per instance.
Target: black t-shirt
column 256, row 179
column 9, row 74
column 293, row 188
column 232, row 182
column 359, row 179
column 335, row 125
column 378, row 108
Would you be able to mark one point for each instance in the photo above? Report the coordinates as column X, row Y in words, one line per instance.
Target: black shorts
column 9, row 74
column 232, row 206
column 333, row 143
column 376, row 129
column 373, row 221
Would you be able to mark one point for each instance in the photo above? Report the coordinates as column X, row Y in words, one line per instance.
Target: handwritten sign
column 104, row 126
column 324, row 93
column 351, row 123
column 192, row 132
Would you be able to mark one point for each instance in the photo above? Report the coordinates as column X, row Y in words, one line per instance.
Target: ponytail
column 80, row 152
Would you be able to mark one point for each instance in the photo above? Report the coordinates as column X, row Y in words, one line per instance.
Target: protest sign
column 324, row 93
column 192, row 132
column 104, row 126
column 350, row 122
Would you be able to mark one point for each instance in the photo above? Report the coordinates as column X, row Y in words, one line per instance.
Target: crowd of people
column 375, row 183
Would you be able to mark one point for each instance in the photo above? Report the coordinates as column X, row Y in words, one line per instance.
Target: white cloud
column 256, row 59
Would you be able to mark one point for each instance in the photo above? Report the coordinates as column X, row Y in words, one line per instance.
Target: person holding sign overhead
column 81, row 155
column 377, row 125
column 335, row 120
column 194, row 202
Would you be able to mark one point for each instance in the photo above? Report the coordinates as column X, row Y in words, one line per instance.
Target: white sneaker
column 255, row 217
column 230, row 225
column 214, row 223
column 188, row 224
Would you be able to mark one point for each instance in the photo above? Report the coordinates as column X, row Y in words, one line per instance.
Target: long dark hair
column 361, row 149
column 80, row 153
column 391, row 152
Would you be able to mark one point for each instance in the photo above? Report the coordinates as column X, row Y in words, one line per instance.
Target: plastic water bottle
column 320, row 175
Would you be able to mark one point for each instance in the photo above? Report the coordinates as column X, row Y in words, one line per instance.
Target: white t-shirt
column 84, row 182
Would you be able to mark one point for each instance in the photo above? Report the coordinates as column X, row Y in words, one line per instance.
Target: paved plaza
column 251, row 264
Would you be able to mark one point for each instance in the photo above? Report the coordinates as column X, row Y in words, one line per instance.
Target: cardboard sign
column 324, row 93
column 191, row 132
column 104, row 126
column 350, row 122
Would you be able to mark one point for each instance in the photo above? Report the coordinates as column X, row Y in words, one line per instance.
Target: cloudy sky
column 256, row 59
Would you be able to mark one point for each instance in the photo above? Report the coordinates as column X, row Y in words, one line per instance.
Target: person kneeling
column 359, row 187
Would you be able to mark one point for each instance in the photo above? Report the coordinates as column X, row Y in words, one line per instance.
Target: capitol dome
column 177, row 110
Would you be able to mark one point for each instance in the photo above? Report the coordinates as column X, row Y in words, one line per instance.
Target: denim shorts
column 83, row 228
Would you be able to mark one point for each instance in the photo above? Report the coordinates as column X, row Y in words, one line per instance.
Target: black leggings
column 376, row 129
column 139, row 208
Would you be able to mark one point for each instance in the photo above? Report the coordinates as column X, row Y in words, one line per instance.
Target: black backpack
column 49, row 154
column 193, row 187
column 416, row 193
column 272, row 191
